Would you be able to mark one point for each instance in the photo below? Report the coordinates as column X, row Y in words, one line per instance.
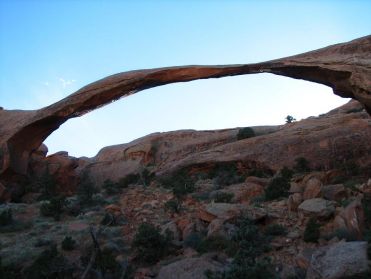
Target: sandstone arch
column 345, row 67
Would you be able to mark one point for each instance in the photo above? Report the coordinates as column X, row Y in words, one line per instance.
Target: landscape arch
column 345, row 67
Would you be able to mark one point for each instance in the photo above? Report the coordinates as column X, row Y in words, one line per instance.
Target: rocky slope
column 344, row 67
column 195, row 204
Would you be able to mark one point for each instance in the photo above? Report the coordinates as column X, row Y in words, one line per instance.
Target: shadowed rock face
column 345, row 67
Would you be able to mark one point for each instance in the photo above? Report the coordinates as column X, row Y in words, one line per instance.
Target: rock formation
column 345, row 67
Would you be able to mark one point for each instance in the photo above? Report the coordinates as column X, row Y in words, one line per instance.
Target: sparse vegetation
column 53, row 207
column 172, row 206
column 301, row 165
column 180, row 182
column 150, row 245
column 223, row 197
column 312, row 233
column 277, row 188
column 224, row 175
column 68, row 243
column 216, row 243
column 245, row 133
column 6, row 216
column 275, row 230
column 246, row 262
column 110, row 187
column 50, row 264
column 86, row 190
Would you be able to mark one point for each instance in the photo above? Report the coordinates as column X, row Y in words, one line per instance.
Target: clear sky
column 50, row 49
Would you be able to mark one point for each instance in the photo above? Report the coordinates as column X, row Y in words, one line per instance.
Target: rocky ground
column 292, row 201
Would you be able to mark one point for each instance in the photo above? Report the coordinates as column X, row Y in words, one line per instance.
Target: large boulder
column 317, row 207
column 340, row 260
column 190, row 268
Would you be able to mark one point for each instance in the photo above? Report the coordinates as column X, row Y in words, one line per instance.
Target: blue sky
column 50, row 49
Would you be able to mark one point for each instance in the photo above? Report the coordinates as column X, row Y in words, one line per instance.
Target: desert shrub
column 106, row 262
column 145, row 177
column 86, row 190
column 275, row 230
column 172, row 206
column 245, row 133
column 9, row 272
column 287, row 173
column 351, row 168
column 46, row 185
column 150, row 245
column 132, row 178
column 355, row 110
column 311, row 232
column 50, row 264
column 111, row 187
column 224, row 175
column 109, row 220
column 6, row 216
column 301, row 165
column 278, row 187
column 246, row 264
column 216, row 243
column 223, row 197
column 262, row 173
column 68, row 243
column 53, row 207
column 180, row 182
column 193, row 240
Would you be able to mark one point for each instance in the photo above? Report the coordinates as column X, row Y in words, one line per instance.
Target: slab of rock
column 190, row 268
column 353, row 218
column 340, row 260
column 335, row 192
column 224, row 211
column 317, row 207
column 312, row 189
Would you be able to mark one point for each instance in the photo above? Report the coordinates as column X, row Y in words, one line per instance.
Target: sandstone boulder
column 312, row 188
column 317, row 207
column 189, row 268
column 335, row 192
column 340, row 260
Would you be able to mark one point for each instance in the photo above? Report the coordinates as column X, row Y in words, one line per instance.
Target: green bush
column 86, row 190
column 275, row 230
column 53, row 207
column 111, row 187
column 224, row 175
column 46, row 185
column 150, row 245
column 262, row 173
column 223, row 197
column 311, row 232
column 68, row 243
column 246, row 263
column 278, row 187
column 50, row 264
column 106, row 262
column 245, row 133
column 128, row 180
column 287, row 173
column 6, row 217
column 180, row 182
column 193, row 240
column 217, row 243
column 301, row 165
column 172, row 206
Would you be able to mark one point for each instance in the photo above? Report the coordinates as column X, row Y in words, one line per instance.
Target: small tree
column 150, row 244
column 312, row 233
column 290, row 119
column 245, row 133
